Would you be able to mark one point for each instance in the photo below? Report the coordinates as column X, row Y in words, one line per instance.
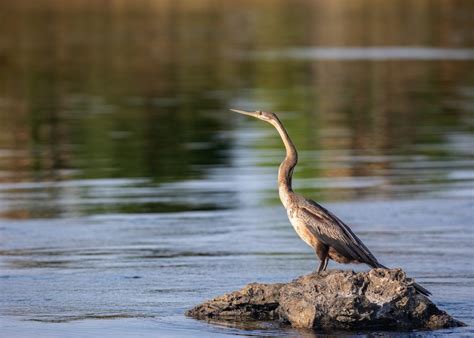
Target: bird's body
column 327, row 234
column 329, row 237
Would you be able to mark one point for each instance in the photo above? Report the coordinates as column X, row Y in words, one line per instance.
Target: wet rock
column 335, row 299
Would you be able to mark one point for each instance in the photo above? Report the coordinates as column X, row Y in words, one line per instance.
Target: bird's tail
column 421, row 290
column 417, row 286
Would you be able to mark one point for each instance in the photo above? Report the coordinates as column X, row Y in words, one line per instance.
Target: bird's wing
column 333, row 232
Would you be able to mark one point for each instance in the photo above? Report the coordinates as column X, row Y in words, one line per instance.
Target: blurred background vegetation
column 140, row 90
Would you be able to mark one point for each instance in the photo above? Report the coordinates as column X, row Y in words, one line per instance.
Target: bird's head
column 261, row 115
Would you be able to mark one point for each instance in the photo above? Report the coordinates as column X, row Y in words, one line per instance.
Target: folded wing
column 331, row 231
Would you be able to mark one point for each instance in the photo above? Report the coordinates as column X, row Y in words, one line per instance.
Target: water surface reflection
column 129, row 191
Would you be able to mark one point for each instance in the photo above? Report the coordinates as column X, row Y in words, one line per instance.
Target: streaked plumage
column 330, row 237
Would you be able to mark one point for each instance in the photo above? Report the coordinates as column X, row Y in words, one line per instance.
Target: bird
column 323, row 231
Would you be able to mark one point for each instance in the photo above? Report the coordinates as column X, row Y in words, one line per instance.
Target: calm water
column 129, row 193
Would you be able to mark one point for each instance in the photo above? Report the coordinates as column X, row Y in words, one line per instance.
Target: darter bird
column 330, row 237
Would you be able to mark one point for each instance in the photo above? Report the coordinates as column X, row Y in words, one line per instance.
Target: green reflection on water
column 141, row 90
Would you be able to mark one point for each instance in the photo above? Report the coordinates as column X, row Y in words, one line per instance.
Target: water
column 129, row 193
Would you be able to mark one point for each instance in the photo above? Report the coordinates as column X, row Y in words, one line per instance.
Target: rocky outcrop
column 330, row 300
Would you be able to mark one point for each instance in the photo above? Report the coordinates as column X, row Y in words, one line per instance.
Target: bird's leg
column 322, row 252
column 326, row 263
column 321, row 266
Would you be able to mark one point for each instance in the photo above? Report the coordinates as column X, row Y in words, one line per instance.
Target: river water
column 130, row 193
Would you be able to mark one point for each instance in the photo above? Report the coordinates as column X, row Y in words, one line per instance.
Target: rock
column 254, row 301
column 334, row 299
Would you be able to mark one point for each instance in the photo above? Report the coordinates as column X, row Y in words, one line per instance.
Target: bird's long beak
column 249, row 113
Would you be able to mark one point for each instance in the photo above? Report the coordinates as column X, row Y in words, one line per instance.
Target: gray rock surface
column 334, row 299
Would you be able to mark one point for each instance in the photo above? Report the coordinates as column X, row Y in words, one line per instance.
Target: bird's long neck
column 285, row 171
